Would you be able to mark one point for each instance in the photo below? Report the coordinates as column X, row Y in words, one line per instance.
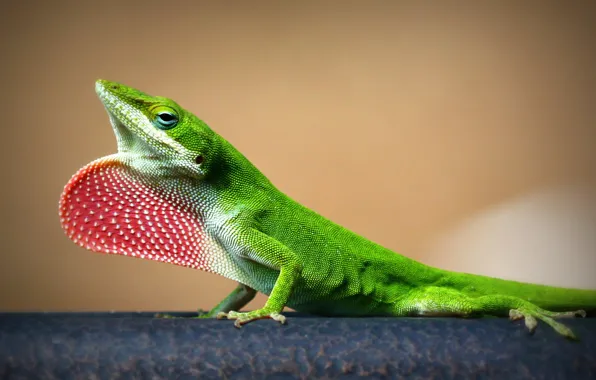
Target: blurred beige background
column 459, row 134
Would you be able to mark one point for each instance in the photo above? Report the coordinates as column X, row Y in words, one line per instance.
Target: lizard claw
column 530, row 319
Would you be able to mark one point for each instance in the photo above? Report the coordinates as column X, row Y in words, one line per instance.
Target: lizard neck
column 230, row 172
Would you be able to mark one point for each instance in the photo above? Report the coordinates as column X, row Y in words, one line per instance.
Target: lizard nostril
column 115, row 87
column 199, row 159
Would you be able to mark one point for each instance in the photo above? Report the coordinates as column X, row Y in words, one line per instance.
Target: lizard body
column 178, row 192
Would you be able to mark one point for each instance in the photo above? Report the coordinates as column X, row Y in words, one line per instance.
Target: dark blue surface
column 136, row 345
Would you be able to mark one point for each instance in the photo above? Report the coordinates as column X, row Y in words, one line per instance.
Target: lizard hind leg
column 437, row 301
column 237, row 299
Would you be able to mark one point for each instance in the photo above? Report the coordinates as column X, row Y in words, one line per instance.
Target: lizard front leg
column 267, row 252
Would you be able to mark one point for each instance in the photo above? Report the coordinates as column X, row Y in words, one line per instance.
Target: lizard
column 178, row 192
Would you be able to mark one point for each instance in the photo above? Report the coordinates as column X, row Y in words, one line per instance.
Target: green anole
column 177, row 192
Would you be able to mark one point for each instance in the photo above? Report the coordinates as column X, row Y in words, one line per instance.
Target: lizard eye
column 166, row 120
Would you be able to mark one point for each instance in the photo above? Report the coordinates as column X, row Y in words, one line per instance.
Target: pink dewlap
column 107, row 207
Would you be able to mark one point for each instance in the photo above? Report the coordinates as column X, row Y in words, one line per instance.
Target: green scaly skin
column 245, row 229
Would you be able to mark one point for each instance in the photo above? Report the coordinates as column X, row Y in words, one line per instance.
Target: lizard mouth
column 138, row 140
column 128, row 137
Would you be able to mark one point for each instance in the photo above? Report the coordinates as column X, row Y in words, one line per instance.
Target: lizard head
column 153, row 129
column 146, row 200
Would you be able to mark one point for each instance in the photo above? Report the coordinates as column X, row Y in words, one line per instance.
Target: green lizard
column 177, row 192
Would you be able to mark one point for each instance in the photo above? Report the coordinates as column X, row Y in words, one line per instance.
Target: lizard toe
column 241, row 318
column 531, row 320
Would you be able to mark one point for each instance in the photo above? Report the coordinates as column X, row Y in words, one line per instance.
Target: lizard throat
column 110, row 207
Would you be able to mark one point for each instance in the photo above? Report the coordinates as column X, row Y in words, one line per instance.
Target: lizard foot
column 242, row 318
column 530, row 317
